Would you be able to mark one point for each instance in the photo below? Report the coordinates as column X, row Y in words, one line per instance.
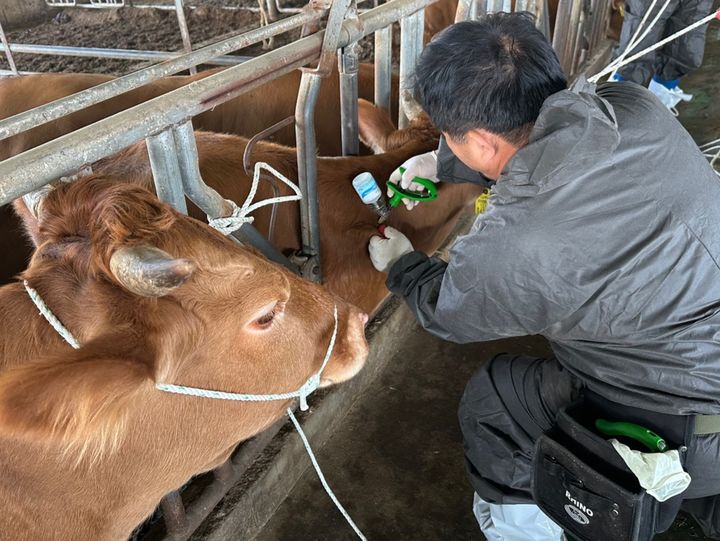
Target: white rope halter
column 240, row 215
column 227, row 226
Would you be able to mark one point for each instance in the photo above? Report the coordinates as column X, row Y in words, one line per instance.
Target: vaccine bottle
column 370, row 194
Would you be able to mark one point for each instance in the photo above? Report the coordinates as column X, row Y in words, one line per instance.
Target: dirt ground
column 142, row 29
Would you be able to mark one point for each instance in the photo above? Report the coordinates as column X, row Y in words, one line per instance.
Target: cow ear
column 79, row 401
column 374, row 126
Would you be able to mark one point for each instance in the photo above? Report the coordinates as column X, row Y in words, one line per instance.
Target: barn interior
column 388, row 440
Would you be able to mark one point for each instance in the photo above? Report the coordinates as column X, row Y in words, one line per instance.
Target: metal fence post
column 411, row 45
column 184, row 32
column 166, row 169
column 211, row 202
column 305, row 140
column 8, row 53
column 349, row 64
column 383, row 68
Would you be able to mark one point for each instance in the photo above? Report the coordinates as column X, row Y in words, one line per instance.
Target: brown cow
column 245, row 115
column 345, row 223
column 88, row 445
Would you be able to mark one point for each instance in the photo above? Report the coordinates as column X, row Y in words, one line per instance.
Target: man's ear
column 79, row 400
column 485, row 141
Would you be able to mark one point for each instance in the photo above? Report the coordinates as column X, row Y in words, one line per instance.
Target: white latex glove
column 386, row 251
column 422, row 165
column 661, row 474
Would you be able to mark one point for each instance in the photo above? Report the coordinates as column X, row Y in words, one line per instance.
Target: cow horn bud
column 410, row 106
column 148, row 271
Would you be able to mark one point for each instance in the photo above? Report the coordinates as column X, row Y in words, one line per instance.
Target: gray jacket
column 603, row 235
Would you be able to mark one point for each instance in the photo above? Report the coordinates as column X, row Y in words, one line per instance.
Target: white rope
column 322, row 477
column 635, row 40
column 240, row 215
column 595, row 78
column 50, row 317
column 302, row 393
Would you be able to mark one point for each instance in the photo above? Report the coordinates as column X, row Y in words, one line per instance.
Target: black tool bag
column 583, row 484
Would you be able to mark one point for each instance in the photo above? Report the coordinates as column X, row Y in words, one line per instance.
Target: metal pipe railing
column 349, row 66
column 383, row 68
column 118, row 54
column 80, row 100
column 411, row 45
column 8, row 52
column 166, row 169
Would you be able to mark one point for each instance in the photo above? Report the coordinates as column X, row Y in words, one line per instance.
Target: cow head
column 378, row 132
column 155, row 296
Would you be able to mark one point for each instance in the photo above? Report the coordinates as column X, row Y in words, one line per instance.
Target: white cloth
column 516, row 522
column 661, row 474
column 386, row 251
column 423, row 166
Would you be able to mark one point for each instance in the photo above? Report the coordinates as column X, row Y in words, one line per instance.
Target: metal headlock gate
column 165, row 124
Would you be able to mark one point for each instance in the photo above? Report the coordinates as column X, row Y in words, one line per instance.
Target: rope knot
column 229, row 224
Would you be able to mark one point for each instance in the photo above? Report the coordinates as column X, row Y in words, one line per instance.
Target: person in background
column 665, row 67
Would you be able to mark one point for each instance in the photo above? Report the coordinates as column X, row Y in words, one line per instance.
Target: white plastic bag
column 514, row 522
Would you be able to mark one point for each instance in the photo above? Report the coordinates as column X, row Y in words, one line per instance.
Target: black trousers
column 677, row 58
column 512, row 400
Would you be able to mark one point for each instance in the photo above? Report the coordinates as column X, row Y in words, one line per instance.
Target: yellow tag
column 481, row 202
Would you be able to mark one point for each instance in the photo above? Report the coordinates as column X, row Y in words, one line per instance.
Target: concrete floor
column 396, row 462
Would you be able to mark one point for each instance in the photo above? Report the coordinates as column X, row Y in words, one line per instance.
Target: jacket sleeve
column 491, row 288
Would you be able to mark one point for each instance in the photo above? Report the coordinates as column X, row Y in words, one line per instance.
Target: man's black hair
column 493, row 74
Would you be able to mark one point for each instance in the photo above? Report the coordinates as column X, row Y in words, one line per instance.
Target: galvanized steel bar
column 561, row 33
column 121, row 54
column 383, row 68
column 184, row 32
column 8, row 52
column 59, row 108
column 571, row 47
column 166, row 169
column 307, row 173
column 209, row 200
column 464, row 10
column 349, row 65
column 411, row 44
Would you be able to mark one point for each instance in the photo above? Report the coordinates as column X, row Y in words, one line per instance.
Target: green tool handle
column 636, row 432
column 400, row 193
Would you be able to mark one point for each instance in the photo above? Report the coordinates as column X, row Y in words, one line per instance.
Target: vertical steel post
column 464, row 11
column 8, row 52
column 305, row 139
column 348, row 66
column 307, row 174
column 166, row 169
column 383, row 68
column 411, row 44
column 561, row 33
column 184, row 32
column 211, row 202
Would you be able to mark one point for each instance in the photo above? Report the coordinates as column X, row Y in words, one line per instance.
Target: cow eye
column 265, row 320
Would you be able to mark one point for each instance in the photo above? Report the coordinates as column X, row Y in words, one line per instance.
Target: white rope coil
column 241, row 215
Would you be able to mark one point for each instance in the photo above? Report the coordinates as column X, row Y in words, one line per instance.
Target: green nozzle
column 429, row 194
column 638, row 433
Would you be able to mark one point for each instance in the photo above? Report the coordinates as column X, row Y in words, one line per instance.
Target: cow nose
column 364, row 318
